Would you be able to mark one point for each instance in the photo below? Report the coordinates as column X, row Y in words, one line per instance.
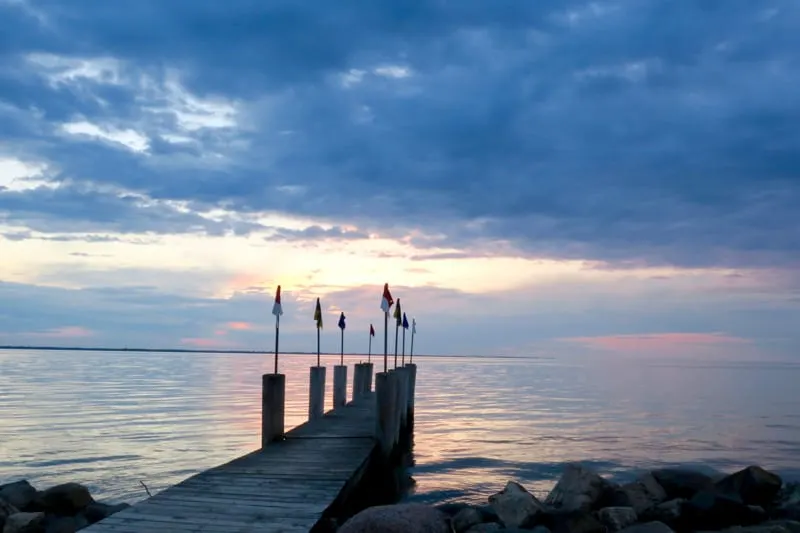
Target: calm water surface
column 113, row 420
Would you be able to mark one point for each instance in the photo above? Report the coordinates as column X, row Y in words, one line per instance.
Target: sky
column 531, row 178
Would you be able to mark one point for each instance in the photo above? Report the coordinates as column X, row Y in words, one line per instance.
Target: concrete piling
column 316, row 392
column 339, row 386
column 273, row 407
column 411, row 368
column 367, row 384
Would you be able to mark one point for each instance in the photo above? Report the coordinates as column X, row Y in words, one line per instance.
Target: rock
column 20, row 494
column 515, row 506
column 648, row 527
column 681, row 483
column 540, row 529
column 579, row 488
column 97, row 511
column 24, row 523
column 669, row 513
column 754, row 485
column 790, row 494
column 64, row 499
column 710, row 510
column 486, row 528
column 6, row 509
column 792, row 526
column 452, row 508
column 466, row 518
column 489, row 514
column 761, row 528
column 575, row 521
column 400, row 518
column 617, row 518
column 64, row 524
column 641, row 494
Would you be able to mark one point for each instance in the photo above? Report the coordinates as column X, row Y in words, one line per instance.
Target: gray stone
column 97, row 511
column 682, row 483
column 515, row 506
column 617, row 518
column 649, row 527
column 24, row 523
column 6, row 509
column 761, row 528
column 540, row 529
column 579, row 488
column 792, row 526
column 65, row 524
column 754, row 485
column 489, row 514
column 490, row 527
column 64, row 499
column 466, row 518
column 452, row 508
column 400, row 518
column 713, row 511
column 20, row 494
column 668, row 512
column 641, row 494
column 575, row 521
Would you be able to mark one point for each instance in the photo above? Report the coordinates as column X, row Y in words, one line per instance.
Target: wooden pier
column 296, row 482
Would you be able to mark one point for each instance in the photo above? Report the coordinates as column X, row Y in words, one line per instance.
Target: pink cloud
column 659, row 342
column 239, row 326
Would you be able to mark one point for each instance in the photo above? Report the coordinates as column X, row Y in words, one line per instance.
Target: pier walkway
column 285, row 487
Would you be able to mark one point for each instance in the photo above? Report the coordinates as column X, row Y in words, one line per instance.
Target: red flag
column 371, row 331
column 386, row 301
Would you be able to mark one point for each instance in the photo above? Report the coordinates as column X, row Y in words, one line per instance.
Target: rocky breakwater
column 752, row 500
column 60, row 509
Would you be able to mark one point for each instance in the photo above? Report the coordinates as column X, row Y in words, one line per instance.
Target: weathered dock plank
column 284, row 487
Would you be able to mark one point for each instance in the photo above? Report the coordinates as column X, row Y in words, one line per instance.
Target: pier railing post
column 339, row 386
column 384, row 407
column 367, row 385
column 316, row 392
column 358, row 381
column 402, row 398
column 412, row 391
column 273, row 406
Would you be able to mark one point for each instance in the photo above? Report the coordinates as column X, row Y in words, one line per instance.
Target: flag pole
column 396, row 332
column 277, row 333
column 317, row 345
column 413, row 330
column 385, row 341
column 404, row 348
column 369, row 355
column 341, row 357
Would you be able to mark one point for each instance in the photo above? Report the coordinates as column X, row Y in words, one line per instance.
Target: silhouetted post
column 412, row 391
column 358, row 376
column 386, row 304
column 385, row 406
column 397, row 316
column 316, row 396
column 339, row 386
column 273, row 402
column 405, row 327
column 367, row 386
column 413, row 332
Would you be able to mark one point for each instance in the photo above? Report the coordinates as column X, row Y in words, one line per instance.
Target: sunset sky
column 531, row 178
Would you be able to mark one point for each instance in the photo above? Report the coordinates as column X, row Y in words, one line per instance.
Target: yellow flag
column 318, row 315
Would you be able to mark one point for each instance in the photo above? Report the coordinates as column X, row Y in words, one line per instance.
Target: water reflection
column 111, row 420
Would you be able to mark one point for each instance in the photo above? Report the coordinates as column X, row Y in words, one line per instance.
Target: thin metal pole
column 341, row 357
column 404, row 348
column 396, row 332
column 369, row 357
column 411, row 359
column 277, row 333
column 317, row 346
column 386, row 341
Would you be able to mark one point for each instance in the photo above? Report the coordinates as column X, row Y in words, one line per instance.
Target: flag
column 397, row 313
column 413, row 325
column 386, row 301
column 277, row 309
column 341, row 321
column 318, row 315
column 405, row 321
column 371, row 331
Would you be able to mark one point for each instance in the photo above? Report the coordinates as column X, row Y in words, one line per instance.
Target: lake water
column 112, row 420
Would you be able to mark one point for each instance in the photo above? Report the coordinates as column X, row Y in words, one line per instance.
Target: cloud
column 658, row 342
column 618, row 131
column 312, row 233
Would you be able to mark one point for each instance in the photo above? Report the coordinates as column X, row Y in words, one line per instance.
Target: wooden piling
column 339, row 386
column 412, row 391
column 402, row 397
column 367, row 385
column 273, row 405
column 384, row 398
column 316, row 392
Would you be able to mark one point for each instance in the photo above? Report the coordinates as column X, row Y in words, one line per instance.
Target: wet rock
column 574, row 521
column 24, row 523
column 489, row 514
column 754, row 485
column 669, row 512
column 710, row 510
column 579, row 488
column 486, row 528
column 452, row 508
column 6, row 509
column 96, row 511
column 649, row 527
column 641, row 494
column 64, row 524
column 681, row 483
column 20, row 494
column 466, row 518
column 617, row 518
column 792, row 526
column 64, row 499
column 400, row 518
column 515, row 506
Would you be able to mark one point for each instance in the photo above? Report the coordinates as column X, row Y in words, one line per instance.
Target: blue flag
column 405, row 321
column 341, row 321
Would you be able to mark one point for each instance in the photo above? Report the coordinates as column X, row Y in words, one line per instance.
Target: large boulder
column 400, row 518
column 515, row 506
column 490, row 527
column 20, row 494
column 466, row 518
column 712, row 510
column 579, row 488
column 65, row 524
column 682, row 483
column 617, row 518
column 648, row 527
column 64, row 499
column 573, row 521
column 754, row 485
column 669, row 513
column 788, row 503
column 25, row 523
column 641, row 494
column 96, row 511
column 6, row 510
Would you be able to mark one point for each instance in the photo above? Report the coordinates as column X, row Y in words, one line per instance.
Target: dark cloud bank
column 636, row 132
